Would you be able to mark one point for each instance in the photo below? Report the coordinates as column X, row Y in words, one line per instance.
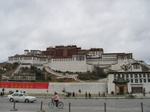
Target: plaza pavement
column 80, row 104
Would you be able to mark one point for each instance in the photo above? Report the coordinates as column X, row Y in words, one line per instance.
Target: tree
column 40, row 76
column 125, row 67
column 99, row 72
column 64, row 90
column 79, row 90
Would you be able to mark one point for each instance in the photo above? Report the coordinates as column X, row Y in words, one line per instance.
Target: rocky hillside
column 7, row 69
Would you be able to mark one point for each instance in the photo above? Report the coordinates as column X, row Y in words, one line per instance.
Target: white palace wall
column 93, row 88
column 70, row 65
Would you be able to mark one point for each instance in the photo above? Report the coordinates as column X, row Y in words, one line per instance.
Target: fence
column 110, row 107
column 93, row 105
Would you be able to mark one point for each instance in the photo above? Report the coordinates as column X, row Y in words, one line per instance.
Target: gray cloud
column 114, row 25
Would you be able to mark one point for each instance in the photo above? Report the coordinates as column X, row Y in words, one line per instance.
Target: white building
column 120, row 65
column 77, row 63
column 136, row 82
column 34, row 57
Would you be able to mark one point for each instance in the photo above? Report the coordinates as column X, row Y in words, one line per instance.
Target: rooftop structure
column 62, row 51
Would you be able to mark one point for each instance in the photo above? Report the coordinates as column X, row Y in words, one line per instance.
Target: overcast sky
column 114, row 25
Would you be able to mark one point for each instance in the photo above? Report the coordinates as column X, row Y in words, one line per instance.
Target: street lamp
column 0, row 82
column 0, row 77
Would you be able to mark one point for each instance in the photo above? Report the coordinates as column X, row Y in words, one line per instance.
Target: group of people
column 69, row 94
column 89, row 94
column 2, row 93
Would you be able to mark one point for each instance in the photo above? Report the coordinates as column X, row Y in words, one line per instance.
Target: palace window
column 136, row 80
column 135, row 75
column 80, row 57
column 121, row 57
column 27, row 58
column 136, row 66
column 42, row 59
column 140, row 80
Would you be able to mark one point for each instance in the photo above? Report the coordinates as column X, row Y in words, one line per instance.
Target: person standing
column 89, row 95
column 99, row 94
column 85, row 94
column 73, row 94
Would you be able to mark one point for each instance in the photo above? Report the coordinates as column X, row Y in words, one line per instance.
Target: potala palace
column 125, row 74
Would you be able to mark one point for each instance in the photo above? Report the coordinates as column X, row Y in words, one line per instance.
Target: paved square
column 80, row 105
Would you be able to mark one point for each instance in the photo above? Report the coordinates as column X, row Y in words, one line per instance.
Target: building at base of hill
column 126, row 82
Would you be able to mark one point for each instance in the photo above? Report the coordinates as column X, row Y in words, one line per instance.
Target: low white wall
column 93, row 88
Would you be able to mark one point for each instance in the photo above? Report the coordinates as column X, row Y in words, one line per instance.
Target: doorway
column 121, row 90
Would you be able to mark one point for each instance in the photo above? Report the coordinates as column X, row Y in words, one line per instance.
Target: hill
column 7, row 69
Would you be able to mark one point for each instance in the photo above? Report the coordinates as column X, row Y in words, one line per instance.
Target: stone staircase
column 61, row 75
column 17, row 70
